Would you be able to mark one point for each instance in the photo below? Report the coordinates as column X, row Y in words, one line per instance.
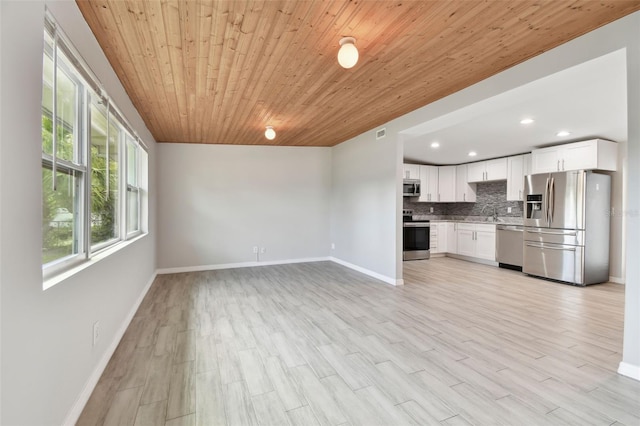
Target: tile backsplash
column 488, row 196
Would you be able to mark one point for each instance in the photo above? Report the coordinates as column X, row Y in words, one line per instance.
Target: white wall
column 46, row 336
column 364, row 204
column 630, row 365
column 218, row 201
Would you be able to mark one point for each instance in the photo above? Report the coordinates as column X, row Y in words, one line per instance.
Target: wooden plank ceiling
column 220, row 71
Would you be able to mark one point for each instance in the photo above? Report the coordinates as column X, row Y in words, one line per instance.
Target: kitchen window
column 93, row 164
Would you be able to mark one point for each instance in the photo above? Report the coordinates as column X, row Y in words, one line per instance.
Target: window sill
column 103, row 254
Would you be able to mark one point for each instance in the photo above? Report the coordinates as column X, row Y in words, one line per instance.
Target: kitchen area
column 545, row 213
column 531, row 179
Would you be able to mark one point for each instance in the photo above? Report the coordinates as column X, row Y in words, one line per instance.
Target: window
column 93, row 165
column 105, row 137
column 133, row 191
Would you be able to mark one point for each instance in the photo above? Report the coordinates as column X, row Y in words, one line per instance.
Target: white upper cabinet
column 476, row 171
column 526, row 170
column 515, row 177
column 447, row 184
column 518, row 167
column 465, row 191
column 428, row 184
column 411, row 171
column 497, row 169
column 489, row 170
column 595, row 154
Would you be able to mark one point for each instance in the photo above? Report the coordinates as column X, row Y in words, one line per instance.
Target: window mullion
column 124, row 185
column 122, row 182
column 54, row 124
column 107, row 171
column 85, row 148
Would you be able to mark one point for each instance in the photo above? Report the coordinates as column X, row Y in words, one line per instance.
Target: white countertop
column 472, row 219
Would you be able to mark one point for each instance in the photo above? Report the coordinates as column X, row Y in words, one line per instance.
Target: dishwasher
column 509, row 246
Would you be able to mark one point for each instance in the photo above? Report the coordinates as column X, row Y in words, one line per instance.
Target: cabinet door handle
column 520, row 193
column 464, row 196
column 563, row 164
column 558, row 166
column 438, row 196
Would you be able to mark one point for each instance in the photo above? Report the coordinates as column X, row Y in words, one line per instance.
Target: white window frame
column 88, row 88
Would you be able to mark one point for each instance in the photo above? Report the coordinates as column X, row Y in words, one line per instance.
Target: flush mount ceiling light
column 527, row 121
column 435, row 145
column 269, row 133
column 563, row 133
column 348, row 53
column 472, row 153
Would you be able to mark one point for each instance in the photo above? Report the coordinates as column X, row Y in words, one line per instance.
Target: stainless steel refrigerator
column 566, row 219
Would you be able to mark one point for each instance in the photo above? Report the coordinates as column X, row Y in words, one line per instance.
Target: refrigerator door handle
column 552, row 202
column 542, row 246
column 545, row 201
column 569, row 234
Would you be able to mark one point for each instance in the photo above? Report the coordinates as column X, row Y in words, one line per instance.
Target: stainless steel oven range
column 415, row 237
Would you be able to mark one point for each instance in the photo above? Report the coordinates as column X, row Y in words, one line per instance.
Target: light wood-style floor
column 318, row 343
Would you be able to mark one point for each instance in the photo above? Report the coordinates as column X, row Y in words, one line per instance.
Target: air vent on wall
column 381, row 133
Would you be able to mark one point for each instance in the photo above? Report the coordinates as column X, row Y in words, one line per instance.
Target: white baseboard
column 199, row 268
column 83, row 398
column 629, row 370
column 472, row 259
column 617, row 280
column 365, row 271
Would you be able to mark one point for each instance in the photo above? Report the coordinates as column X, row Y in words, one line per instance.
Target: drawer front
column 481, row 227
column 555, row 261
column 466, row 226
column 554, row 236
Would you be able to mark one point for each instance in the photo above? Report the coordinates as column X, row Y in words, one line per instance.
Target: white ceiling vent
column 381, row 133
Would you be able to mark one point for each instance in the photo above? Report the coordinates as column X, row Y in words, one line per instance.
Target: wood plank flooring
column 320, row 344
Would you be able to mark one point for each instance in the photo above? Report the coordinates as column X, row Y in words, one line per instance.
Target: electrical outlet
column 430, row 209
column 263, row 250
column 96, row 332
column 333, row 246
column 508, row 209
column 255, row 249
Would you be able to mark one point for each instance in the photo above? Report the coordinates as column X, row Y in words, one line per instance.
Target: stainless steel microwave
column 411, row 187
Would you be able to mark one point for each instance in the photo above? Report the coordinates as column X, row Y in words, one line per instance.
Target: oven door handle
column 415, row 225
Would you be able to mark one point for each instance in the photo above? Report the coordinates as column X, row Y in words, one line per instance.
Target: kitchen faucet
column 495, row 212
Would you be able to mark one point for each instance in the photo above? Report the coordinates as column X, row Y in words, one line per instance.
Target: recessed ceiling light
column 435, row 145
column 563, row 133
column 472, row 153
column 527, row 121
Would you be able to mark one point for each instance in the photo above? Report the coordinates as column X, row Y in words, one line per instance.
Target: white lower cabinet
column 433, row 239
column 466, row 240
column 476, row 240
column 486, row 243
column 452, row 235
column 438, row 237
